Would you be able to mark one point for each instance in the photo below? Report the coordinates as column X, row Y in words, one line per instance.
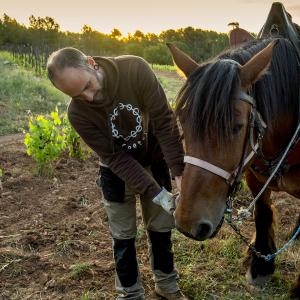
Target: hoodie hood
column 111, row 79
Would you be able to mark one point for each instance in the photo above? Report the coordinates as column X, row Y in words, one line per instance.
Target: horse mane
column 206, row 100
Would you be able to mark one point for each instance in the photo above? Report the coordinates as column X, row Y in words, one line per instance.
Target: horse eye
column 237, row 128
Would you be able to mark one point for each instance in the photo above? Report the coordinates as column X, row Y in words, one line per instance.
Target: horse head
column 216, row 115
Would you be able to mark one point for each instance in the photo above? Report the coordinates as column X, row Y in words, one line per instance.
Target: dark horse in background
column 215, row 107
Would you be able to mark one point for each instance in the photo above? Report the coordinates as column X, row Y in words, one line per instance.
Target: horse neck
column 278, row 135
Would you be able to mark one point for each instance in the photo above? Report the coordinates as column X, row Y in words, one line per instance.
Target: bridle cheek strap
column 229, row 177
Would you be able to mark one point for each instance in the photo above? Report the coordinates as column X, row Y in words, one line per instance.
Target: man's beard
column 99, row 95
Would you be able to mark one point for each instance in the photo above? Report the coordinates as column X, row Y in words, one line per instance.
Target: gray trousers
column 122, row 224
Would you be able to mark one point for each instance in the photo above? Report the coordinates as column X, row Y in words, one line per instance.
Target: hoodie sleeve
column 121, row 163
column 161, row 116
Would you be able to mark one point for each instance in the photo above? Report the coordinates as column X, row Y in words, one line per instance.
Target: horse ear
column 256, row 66
column 185, row 63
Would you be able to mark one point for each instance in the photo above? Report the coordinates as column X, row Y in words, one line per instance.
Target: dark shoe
column 170, row 296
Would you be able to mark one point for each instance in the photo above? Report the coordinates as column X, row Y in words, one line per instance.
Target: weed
column 79, row 269
column 83, row 201
column 64, row 247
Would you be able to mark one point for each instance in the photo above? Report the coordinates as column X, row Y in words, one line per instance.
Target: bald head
column 76, row 74
column 65, row 58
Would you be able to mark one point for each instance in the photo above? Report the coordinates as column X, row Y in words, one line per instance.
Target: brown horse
column 238, row 113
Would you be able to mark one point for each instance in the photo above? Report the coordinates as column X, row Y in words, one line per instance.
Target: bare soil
column 54, row 238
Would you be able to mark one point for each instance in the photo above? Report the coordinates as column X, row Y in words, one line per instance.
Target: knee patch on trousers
column 163, row 257
column 126, row 262
column 113, row 187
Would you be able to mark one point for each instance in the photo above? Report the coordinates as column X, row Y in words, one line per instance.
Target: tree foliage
column 200, row 44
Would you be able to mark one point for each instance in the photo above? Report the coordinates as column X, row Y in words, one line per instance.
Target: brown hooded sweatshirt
column 133, row 126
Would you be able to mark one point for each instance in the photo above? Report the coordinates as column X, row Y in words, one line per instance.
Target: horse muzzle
column 202, row 231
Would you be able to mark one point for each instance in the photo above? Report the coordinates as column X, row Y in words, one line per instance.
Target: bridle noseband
column 233, row 179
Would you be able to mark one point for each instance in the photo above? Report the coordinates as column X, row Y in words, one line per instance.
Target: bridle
column 233, row 179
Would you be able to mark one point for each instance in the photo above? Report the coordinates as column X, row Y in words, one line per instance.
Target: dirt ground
column 54, row 241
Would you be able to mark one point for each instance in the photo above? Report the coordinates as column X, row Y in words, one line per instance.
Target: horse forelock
column 206, row 100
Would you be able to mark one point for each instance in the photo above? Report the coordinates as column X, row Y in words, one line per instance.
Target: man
column 120, row 110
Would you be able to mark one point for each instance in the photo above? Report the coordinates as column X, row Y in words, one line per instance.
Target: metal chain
column 243, row 238
column 269, row 256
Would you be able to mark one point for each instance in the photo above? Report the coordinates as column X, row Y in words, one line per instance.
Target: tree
column 134, row 49
column 170, row 35
column 138, row 35
column 158, row 54
column 47, row 23
column 43, row 35
column 116, row 34
column 86, row 29
column 11, row 32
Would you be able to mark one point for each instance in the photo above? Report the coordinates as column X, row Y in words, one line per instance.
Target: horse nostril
column 204, row 230
column 183, row 231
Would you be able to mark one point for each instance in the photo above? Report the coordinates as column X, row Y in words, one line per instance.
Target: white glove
column 166, row 200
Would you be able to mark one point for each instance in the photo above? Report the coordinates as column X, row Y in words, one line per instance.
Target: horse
column 238, row 112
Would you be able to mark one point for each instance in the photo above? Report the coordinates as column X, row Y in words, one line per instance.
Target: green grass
column 23, row 93
column 11, row 265
column 64, row 248
column 163, row 67
column 171, row 87
column 214, row 270
column 79, row 269
column 96, row 295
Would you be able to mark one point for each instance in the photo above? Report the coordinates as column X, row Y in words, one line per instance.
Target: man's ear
column 90, row 61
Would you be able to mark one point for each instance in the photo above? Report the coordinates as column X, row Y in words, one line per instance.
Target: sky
column 148, row 15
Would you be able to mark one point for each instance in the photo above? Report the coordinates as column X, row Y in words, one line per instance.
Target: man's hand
column 178, row 182
column 166, row 200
